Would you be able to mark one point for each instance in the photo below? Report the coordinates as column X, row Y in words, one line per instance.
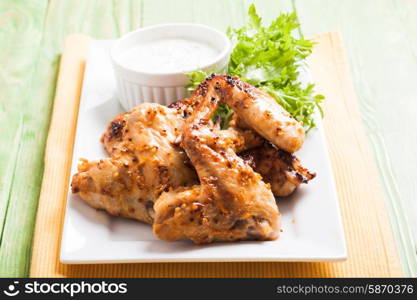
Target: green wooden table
column 380, row 37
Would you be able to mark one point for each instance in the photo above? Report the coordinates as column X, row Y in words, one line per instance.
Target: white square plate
column 311, row 223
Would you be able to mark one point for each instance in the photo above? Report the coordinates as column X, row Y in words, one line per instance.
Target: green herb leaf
column 254, row 20
column 195, row 78
column 270, row 57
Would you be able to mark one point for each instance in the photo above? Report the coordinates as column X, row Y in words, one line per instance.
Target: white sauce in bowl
column 169, row 55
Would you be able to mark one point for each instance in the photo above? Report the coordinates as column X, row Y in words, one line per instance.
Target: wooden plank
column 381, row 41
column 219, row 14
column 21, row 150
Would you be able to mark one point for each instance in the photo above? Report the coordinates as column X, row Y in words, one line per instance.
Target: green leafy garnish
column 270, row 57
column 224, row 113
column 196, row 78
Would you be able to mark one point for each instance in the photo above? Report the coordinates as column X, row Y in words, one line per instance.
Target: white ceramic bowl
column 135, row 87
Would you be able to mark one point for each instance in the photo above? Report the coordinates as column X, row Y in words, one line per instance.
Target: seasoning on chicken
column 145, row 161
column 231, row 203
column 282, row 170
column 258, row 110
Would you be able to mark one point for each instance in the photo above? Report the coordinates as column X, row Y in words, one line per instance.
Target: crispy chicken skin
column 108, row 185
column 282, row 170
column 231, row 203
column 258, row 110
column 145, row 161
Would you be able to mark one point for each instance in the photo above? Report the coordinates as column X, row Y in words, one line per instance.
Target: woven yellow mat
column 371, row 250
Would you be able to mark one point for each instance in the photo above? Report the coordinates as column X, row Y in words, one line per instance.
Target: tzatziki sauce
column 169, row 55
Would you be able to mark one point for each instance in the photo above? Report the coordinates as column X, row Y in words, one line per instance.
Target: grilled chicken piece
column 282, row 170
column 258, row 110
column 145, row 161
column 232, row 203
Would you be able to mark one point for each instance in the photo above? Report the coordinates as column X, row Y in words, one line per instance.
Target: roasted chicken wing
column 258, row 110
column 145, row 161
column 231, row 203
column 282, row 170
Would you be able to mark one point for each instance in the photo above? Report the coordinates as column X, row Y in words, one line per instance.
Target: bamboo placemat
column 371, row 250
